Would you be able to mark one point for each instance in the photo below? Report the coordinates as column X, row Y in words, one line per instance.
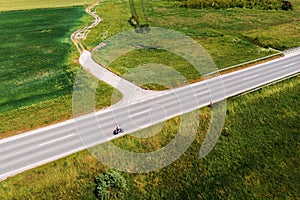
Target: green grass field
column 7, row 5
column 259, row 158
column 230, row 36
column 115, row 15
column 34, row 56
column 50, row 111
column 37, row 68
column 43, row 69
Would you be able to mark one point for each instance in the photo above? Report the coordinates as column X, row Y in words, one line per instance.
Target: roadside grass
column 8, row 5
column 230, row 36
column 37, row 68
column 50, row 111
column 258, row 158
column 143, row 67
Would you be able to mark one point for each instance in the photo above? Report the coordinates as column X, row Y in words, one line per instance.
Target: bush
column 133, row 20
column 223, row 4
column 110, row 185
column 287, row 5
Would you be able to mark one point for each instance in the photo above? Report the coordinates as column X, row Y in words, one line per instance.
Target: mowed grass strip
column 257, row 158
column 8, row 5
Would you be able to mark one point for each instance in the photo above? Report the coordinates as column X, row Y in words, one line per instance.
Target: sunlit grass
column 38, row 65
column 230, row 36
column 258, row 158
column 8, row 5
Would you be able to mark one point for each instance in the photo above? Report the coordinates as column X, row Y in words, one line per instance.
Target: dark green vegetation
column 257, row 158
column 6, row 5
column 37, row 68
column 219, row 4
column 230, row 36
column 50, row 111
column 110, row 185
column 34, row 55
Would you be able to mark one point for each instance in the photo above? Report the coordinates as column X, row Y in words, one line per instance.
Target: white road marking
column 285, row 66
column 64, row 123
column 67, row 136
column 140, row 113
column 250, row 77
column 106, row 139
column 204, row 92
column 14, row 172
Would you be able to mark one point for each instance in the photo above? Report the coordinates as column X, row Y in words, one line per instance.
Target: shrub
column 133, row 20
column 110, row 185
column 223, row 4
column 287, row 5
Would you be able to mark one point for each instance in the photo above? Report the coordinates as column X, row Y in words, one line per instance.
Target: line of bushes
column 221, row 4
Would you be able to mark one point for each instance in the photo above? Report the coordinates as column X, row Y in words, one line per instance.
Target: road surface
column 38, row 147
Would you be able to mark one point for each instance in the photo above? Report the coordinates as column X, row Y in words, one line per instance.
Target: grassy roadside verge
column 259, row 158
column 50, row 112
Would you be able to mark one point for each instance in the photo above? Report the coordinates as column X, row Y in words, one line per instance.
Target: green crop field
column 34, row 55
column 37, row 58
column 6, row 5
column 37, row 68
column 257, row 159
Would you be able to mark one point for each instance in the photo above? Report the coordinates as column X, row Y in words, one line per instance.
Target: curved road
column 40, row 146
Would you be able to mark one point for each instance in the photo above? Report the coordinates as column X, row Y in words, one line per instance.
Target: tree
column 110, row 185
column 133, row 20
column 287, row 5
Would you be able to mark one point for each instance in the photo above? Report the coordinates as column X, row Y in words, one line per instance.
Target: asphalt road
column 35, row 148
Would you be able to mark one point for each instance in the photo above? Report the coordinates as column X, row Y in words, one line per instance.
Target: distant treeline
column 219, row 4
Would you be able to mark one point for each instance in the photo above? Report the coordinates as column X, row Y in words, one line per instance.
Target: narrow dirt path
column 81, row 34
